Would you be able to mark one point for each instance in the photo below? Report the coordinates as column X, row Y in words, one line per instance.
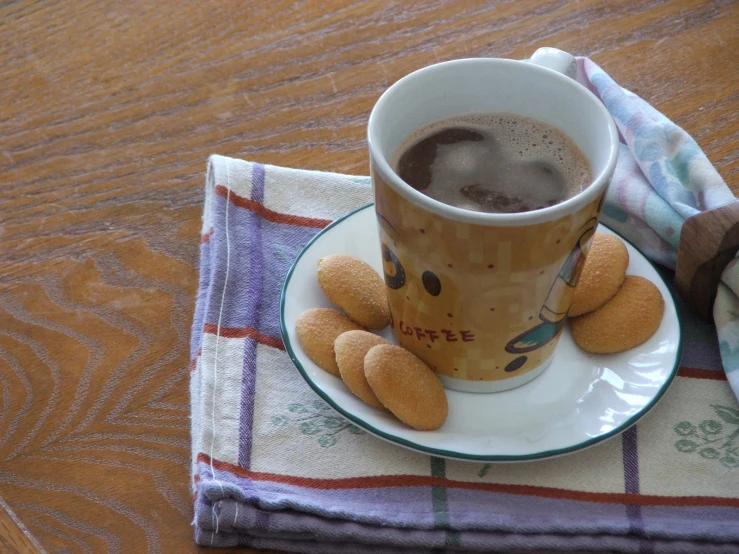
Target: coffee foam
column 518, row 139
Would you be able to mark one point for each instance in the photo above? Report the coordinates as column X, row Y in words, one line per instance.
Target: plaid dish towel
column 274, row 467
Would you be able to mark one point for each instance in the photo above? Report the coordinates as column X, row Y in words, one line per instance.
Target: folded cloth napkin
column 274, row 467
column 662, row 178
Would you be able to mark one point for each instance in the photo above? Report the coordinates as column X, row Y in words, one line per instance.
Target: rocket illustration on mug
column 553, row 313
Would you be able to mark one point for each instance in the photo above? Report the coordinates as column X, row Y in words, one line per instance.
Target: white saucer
column 580, row 400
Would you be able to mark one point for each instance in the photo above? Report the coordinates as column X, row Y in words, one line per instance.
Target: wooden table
column 109, row 111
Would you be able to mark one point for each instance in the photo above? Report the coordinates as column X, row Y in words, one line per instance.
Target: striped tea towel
column 274, row 467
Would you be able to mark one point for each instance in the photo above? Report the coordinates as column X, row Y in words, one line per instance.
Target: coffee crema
column 493, row 163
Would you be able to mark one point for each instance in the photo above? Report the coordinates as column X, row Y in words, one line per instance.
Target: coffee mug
column 482, row 298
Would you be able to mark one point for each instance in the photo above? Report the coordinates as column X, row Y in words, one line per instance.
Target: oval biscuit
column 317, row 330
column 602, row 274
column 351, row 348
column 406, row 386
column 355, row 287
column 627, row 320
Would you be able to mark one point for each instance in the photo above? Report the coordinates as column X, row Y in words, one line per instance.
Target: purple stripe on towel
column 252, row 304
column 631, row 485
column 277, row 245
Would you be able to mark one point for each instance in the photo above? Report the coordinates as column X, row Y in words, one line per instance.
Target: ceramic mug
column 482, row 298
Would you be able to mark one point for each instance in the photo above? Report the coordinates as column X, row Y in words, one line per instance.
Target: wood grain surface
column 14, row 536
column 108, row 111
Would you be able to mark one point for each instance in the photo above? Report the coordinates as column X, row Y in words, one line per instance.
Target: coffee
column 496, row 163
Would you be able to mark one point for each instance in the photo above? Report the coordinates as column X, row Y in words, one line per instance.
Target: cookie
column 602, row 274
column 406, row 386
column 627, row 320
column 356, row 288
column 317, row 330
column 351, row 348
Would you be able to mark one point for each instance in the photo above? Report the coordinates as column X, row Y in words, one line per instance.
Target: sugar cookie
column 627, row 320
column 351, row 348
column 317, row 330
column 602, row 275
column 355, row 287
column 406, row 386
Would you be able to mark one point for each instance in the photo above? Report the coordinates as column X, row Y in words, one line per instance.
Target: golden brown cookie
column 628, row 319
column 356, row 288
column 317, row 330
column 406, row 386
column 351, row 348
column 602, row 275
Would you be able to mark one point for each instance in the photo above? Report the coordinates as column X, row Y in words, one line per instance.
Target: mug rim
column 567, row 207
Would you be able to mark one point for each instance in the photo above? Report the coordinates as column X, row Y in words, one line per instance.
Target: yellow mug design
column 483, row 298
column 489, row 309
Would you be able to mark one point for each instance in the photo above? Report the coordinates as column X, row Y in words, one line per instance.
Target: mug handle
column 556, row 60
